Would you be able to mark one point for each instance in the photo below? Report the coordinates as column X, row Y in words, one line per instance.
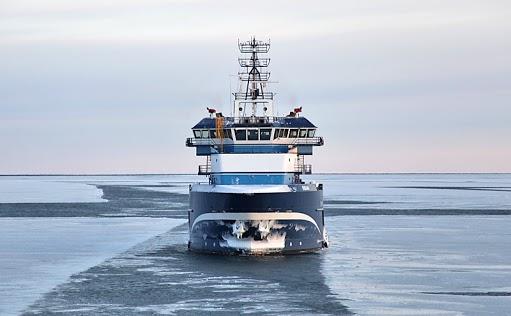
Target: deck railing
column 318, row 141
column 303, row 169
column 314, row 141
column 204, row 169
column 248, row 96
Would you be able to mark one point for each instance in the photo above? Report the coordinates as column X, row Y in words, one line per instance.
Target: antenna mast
column 254, row 80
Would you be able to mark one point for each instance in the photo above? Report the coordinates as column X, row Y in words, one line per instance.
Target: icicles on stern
column 238, row 229
column 274, row 242
column 255, row 236
column 259, row 229
column 261, row 236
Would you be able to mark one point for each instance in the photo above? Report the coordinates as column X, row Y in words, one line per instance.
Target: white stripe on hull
column 240, row 188
column 261, row 162
column 255, row 217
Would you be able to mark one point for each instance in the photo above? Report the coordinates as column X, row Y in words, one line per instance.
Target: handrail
column 300, row 168
column 314, row 141
column 250, row 48
column 257, row 119
column 249, row 62
column 318, row 141
column 303, row 168
column 248, row 96
column 192, row 142
column 262, row 76
column 204, row 170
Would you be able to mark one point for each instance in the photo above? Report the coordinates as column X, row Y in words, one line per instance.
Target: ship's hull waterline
column 256, row 223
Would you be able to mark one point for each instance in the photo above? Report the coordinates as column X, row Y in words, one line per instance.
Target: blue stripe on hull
column 252, row 178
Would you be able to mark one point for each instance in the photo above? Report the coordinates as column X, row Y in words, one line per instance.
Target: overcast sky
column 394, row 86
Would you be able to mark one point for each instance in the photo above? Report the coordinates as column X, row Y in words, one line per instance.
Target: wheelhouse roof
column 286, row 122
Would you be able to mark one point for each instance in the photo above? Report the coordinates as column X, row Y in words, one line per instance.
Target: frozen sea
column 401, row 244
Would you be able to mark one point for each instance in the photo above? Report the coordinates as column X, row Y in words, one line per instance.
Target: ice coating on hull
column 256, row 237
column 274, row 242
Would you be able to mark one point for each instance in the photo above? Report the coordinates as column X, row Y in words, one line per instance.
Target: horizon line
column 194, row 174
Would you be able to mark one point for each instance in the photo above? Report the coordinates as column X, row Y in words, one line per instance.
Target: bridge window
column 212, row 133
column 276, row 134
column 311, row 133
column 241, row 134
column 285, row 133
column 303, row 133
column 265, row 134
column 293, row 133
column 281, row 133
column 253, row 134
column 205, row 133
column 227, row 133
column 197, row 133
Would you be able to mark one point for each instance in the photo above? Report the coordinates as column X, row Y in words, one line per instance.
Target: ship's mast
column 253, row 78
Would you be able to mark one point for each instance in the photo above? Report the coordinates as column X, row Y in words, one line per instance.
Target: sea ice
column 46, row 190
column 37, row 254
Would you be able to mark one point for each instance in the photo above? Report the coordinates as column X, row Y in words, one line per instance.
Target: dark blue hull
column 257, row 223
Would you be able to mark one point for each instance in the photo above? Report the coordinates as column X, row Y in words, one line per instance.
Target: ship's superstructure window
column 276, row 134
column 253, row 134
column 257, row 134
column 227, row 133
column 241, row 134
column 211, row 133
column 265, row 134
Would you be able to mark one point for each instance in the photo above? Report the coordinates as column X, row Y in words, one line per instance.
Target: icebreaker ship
column 254, row 201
